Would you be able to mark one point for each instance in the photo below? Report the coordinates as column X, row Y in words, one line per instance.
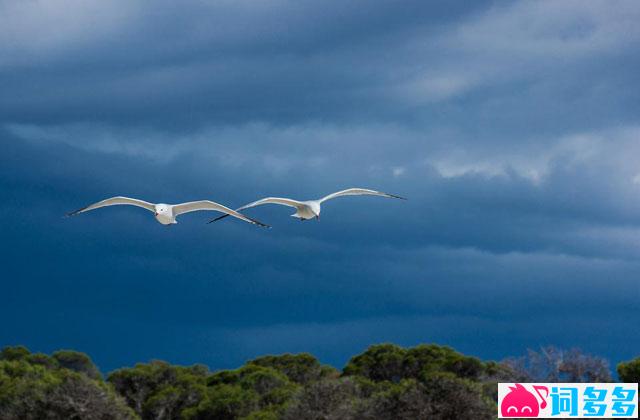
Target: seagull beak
column 155, row 214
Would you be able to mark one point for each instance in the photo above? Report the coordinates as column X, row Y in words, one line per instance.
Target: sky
column 512, row 128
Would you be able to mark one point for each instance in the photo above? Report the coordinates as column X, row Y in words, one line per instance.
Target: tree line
column 385, row 382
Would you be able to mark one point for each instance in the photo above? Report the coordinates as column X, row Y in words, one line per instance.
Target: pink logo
column 521, row 403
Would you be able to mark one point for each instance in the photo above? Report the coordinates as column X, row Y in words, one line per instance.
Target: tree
column 552, row 364
column 629, row 371
column 300, row 368
column 330, row 398
column 44, row 391
column 14, row 353
column 579, row 367
column 158, row 390
column 498, row 372
column 80, row 397
column 388, row 362
column 426, row 381
column 78, row 362
column 382, row 362
column 406, row 400
column 456, row 398
column 265, row 388
column 428, row 359
column 223, row 402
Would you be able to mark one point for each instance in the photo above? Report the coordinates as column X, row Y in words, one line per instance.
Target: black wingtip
column 218, row 218
column 254, row 221
column 397, row 196
column 73, row 213
column 259, row 223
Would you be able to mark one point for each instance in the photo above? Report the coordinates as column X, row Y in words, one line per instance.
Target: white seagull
column 167, row 213
column 306, row 210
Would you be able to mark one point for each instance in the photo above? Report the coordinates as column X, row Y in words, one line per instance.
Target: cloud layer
column 511, row 127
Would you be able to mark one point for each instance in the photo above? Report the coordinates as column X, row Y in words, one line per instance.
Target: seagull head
column 161, row 209
column 315, row 207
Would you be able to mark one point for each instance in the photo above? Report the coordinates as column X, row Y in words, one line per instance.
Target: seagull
column 306, row 210
column 166, row 213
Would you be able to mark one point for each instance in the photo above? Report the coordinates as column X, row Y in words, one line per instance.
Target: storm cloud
column 511, row 127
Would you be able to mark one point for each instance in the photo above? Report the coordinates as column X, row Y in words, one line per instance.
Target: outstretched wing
column 359, row 191
column 268, row 200
column 179, row 209
column 115, row 201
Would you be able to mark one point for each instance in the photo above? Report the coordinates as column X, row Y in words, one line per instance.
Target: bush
column 37, row 387
column 385, row 381
column 158, row 390
column 300, row 368
column 629, row 371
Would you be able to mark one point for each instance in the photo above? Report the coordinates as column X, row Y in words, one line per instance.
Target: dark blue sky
column 513, row 128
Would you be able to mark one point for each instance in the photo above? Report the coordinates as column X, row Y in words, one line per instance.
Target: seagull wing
column 269, row 200
column 114, row 201
column 179, row 209
column 358, row 191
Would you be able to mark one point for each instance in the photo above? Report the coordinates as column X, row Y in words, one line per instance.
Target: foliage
column 329, row 398
column 264, row 389
column 38, row 387
column 382, row 362
column 300, row 368
column 388, row 362
column 388, row 381
column 453, row 397
column 629, row 371
column 385, row 381
column 14, row 353
column 158, row 390
column 78, row 362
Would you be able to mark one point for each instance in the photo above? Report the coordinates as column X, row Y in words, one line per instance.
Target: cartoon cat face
column 519, row 403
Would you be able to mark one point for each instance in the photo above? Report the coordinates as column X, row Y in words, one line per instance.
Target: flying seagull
column 167, row 213
column 306, row 210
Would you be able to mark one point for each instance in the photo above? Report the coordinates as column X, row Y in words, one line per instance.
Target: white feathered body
column 308, row 210
column 164, row 214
